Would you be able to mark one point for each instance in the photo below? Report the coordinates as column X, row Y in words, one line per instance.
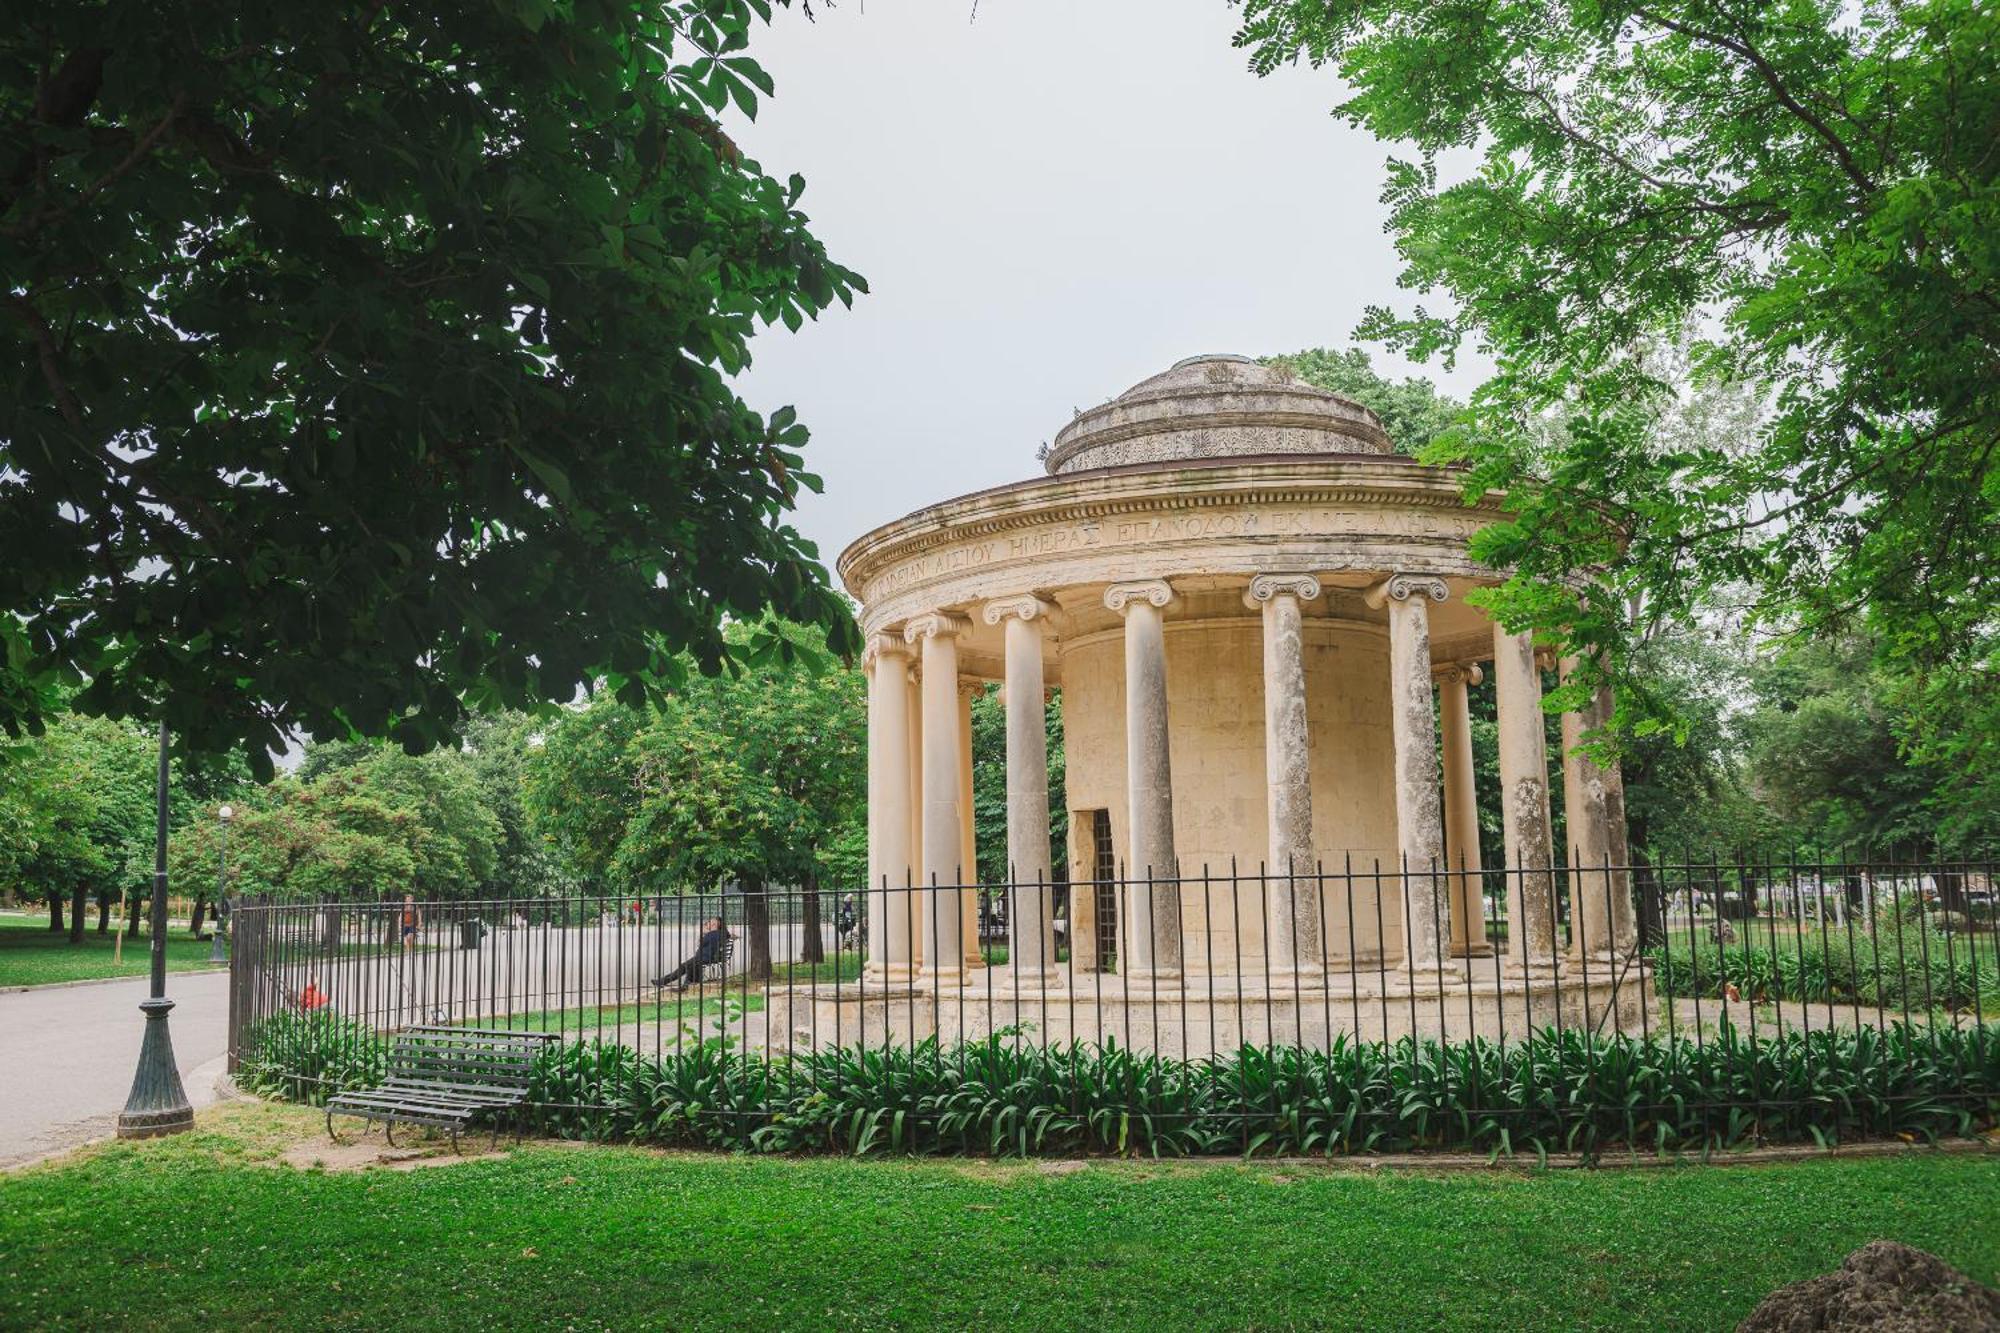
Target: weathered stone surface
column 1215, row 406
column 1883, row 1287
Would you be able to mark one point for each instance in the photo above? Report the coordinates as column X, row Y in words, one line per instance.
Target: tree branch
column 50, row 359
column 1771, row 78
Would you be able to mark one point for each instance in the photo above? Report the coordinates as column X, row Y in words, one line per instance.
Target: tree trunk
column 200, row 911
column 132, row 915
column 329, row 930
column 1951, row 889
column 103, row 913
column 55, row 912
column 812, row 949
column 1652, row 901
column 757, row 926
column 76, row 901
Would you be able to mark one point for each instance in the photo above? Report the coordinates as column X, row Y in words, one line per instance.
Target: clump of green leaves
column 1412, row 411
column 1798, row 201
column 1556, row 1091
column 370, row 364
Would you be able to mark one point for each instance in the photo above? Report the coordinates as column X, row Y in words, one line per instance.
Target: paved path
column 67, row 1054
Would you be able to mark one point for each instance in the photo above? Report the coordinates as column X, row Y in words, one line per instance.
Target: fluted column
column 1461, row 811
column 913, row 696
column 968, row 832
column 1031, row 949
column 1524, row 803
column 1585, row 817
column 944, row 954
column 1152, row 921
column 1419, row 820
column 890, row 871
column 1291, row 901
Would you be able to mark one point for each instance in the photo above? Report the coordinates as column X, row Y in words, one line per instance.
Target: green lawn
column 33, row 955
column 196, row 1232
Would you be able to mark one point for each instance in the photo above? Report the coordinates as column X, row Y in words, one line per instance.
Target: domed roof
column 1215, row 406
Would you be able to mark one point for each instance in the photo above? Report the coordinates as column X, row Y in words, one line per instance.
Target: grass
column 668, row 1010
column 33, row 955
column 623, row 1238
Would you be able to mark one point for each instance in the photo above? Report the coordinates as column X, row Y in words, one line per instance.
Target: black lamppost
column 158, row 1103
column 215, row 954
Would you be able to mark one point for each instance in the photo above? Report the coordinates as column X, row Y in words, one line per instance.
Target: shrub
column 1899, row 966
column 310, row 1057
column 1558, row 1091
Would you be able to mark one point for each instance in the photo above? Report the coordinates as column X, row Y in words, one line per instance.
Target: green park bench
column 446, row 1077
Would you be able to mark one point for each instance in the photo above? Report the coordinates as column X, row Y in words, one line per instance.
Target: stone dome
column 1215, row 406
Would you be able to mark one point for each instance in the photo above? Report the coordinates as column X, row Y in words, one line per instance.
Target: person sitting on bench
column 714, row 940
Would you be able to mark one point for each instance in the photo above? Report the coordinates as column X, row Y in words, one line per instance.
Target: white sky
column 1049, row 203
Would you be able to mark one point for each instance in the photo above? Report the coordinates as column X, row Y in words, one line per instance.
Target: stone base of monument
column 1195, row 1017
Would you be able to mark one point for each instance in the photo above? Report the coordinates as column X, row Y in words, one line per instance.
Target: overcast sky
column 1049, row 203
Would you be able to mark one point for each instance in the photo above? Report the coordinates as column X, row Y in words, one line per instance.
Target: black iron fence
column 1665, row 959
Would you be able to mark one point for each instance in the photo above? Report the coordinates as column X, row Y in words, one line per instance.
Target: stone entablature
column 1236, row 516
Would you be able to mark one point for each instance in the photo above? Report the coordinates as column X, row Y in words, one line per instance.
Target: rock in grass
column 1884, row 1287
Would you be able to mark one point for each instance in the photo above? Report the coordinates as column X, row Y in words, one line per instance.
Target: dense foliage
column 989, row 788
column 373, row 363
column 372, row 822
column 1561, row 1091
column 1894, row 962
column 1803, row 196
column 1413, row 412
column 76, row 814
column 751, row 774
column 748, row 780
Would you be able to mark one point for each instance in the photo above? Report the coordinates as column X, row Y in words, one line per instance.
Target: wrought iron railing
column 1688, row 948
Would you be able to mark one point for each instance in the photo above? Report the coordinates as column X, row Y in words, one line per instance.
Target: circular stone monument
column 1255, row 611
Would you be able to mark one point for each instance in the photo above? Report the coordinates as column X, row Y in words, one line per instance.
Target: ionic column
column 1461, row 811
column 1419, row 820
column 1524, row 803
column 890, row 871
column 944, row 955
column 1153, row 918
column 913, row 694
column 1585, row 816
column 1031, row 947
column 1292, row 896
column 968, row 831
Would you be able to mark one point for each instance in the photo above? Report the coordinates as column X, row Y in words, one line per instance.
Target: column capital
column 1402, row 587
column 1026, row 607
column 879, row 644
column 1264, row 587
column 971, row 689
column 1454, row 672
column 1119, row 596
column 934, row 624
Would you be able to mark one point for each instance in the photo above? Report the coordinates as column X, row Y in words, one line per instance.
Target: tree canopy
column 373, row 823
column 750, row 775
column 371, row 362
column 1412, row 411
column 1801, row 194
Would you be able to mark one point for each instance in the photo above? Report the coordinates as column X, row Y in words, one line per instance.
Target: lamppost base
column 158, row 1104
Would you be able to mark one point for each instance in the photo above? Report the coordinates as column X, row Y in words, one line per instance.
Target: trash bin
column 470, row 933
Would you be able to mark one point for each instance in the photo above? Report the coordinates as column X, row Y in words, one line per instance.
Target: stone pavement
column 67, row 1054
